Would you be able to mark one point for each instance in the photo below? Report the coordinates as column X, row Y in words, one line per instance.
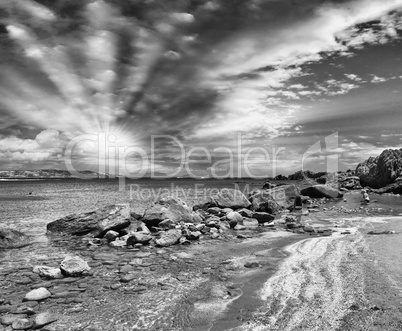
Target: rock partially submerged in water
column 173, row 209
column 97, row 223
column 321, row 191
column 10, row 238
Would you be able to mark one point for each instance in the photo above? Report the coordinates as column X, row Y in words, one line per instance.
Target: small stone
column 38, row 294
column 74, row 266
column 48, row 272
column 128, row 278
column 43, row 319
column 239, row 227
column 23, row 310
column 115, row 286
column 251, row 265
column 22, row 324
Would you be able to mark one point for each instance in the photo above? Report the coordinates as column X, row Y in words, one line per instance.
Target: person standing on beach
column 366, row 197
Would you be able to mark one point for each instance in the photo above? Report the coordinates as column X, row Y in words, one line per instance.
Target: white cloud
column 353, row 77
column 377, row 79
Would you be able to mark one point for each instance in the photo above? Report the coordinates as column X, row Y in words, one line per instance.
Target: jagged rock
column 74, row 266
column 321, row 191
column 168, row 238
column 38, row 294
column 139, row 238
column 382, row 170
column 98, row 222
column 48, row 272
column 230, row 198
column 10, row 238
column 111, row 236
column 173, row 209
column 263, row 217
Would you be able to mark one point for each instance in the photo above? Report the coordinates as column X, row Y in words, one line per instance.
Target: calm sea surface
column 53, row 199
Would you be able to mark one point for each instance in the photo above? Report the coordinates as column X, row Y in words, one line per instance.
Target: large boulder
column 263, row 201
column 97, row 223
column 382, row 170
column 321, row 191
column 230, row 198
column 272, row 200
column 10, row 238
column 173, row 209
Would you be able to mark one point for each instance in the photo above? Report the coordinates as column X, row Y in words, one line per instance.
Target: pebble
column 128, row 278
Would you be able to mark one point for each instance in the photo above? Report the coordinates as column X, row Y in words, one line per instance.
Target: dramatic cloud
column 198, row 71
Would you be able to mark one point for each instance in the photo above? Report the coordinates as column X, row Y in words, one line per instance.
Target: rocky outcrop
column 173, row 209
column 10, row 238
column 321, row 191
column 377, row 172
column 97, row 223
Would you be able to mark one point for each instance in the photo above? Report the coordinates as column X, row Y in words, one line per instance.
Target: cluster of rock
column 171, row 221
column 24, row 316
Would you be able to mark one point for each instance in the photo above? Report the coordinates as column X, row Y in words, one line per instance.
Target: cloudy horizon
column 209, row 78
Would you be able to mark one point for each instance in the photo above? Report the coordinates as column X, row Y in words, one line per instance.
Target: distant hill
column 44, row 173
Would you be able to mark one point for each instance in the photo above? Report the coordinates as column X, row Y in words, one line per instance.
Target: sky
column 223, row 88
